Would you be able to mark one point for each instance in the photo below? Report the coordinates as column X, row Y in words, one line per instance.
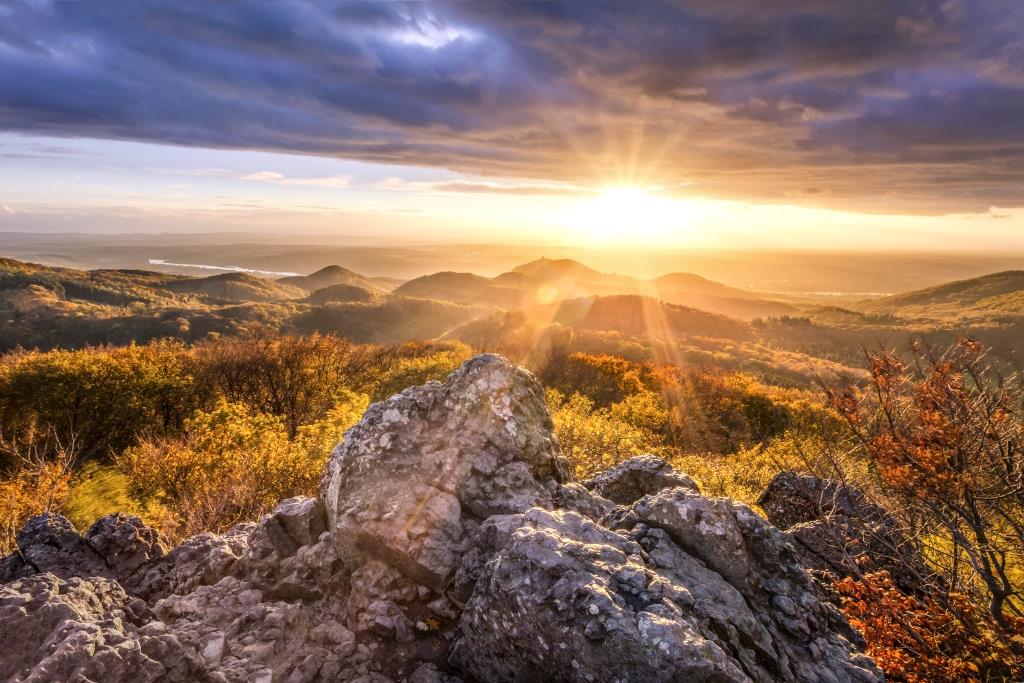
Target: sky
column 895, row 124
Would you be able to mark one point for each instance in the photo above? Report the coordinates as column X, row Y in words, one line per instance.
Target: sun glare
column 630, row 215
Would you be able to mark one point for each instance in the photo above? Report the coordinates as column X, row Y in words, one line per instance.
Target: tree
column 103, row 397
column 296, row 378
column 595, row 439
column 605, row 379
column 943, row 437
column 922, row 639
column 40, row 483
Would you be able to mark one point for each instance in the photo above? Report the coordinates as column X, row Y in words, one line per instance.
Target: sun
column 628, row 214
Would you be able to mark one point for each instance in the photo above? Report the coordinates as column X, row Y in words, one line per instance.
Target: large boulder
column 126, row 544
column 792, row 498
column 51, row 543
column 838, row 532
column 424, row 466
column 115, row 547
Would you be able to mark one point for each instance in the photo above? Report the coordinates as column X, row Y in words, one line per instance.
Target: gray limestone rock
column 402, row 484
column 631, row 480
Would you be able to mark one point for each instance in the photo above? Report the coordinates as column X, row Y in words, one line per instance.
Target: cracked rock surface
column 446, row 545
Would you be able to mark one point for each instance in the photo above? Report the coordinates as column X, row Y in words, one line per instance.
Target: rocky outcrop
column 837, row 532
column 65, row 629
column 792, row 499
column 569, row 599
column 50, row 543
column 446, row 545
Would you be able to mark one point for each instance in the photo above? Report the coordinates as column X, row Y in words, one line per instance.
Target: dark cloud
column 913, row 105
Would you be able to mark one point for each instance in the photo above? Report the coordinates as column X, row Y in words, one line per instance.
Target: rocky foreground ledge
column 446, row 545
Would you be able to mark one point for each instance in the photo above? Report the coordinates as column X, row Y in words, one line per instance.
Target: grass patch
column 101, row 490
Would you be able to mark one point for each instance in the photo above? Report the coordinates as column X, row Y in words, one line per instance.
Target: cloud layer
column 877, row 105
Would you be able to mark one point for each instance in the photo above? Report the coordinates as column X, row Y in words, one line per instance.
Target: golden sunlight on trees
column 233, row 464
column 102, row 398
column 200, row 438
column 206, row 434
column 410, row 367
column 296, row 378
column 594, row 439
column 40, row 483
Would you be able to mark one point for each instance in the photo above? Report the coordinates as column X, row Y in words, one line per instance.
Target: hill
column 998, row 294
column 397, row 319
column 640, row 316
column 546, row 270
column 678, row 317
column 235, row 288
column 334, row 275
column 108, row 287
column 44, row 307
column 645, row 329
column 467, row 288
column 342, row 293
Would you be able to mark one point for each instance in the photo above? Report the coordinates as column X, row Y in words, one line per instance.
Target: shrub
column 408, row 371
column 296, row 378
column 944, row 443
column 595, row 439
column 105, row 397
column 232, row 465
column 100, row 490
column 603, row 378
column 745, row 474
column 39, row 484
column 927, row 640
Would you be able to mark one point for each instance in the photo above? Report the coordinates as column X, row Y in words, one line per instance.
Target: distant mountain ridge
column 236, row 288
column 528, row 311
column 545, row 280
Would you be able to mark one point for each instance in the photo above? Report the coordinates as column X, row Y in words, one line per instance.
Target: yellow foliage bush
column 412, row 370
column 232, row 465
column 595, row 439
column 101, row 490
column 30, row 491
column 745, row 474
column 100, row 398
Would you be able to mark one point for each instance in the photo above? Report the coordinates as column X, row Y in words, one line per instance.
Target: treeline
column 145, row 425
column 106, row 398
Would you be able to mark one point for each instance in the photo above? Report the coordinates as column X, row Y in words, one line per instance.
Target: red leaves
column 886, row 370
column 923, row 640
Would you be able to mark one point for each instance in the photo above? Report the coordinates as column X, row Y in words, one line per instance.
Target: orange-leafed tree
column 943, row 435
